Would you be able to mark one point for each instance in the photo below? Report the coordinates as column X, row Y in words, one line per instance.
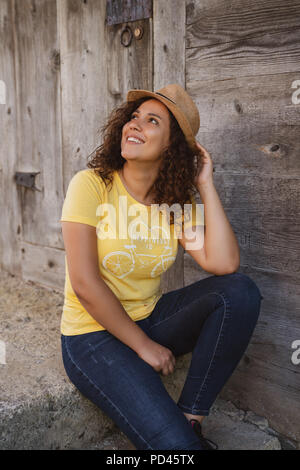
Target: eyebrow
column 149, row 114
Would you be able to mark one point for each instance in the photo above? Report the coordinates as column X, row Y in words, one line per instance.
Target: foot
column 206, row 443
column 196, row 417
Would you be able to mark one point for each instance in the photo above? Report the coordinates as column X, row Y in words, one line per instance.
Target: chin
column 127, row 154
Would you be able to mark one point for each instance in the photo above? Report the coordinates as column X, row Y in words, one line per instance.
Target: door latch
column 27, row 179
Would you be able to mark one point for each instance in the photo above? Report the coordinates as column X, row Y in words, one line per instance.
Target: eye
column 151, row 118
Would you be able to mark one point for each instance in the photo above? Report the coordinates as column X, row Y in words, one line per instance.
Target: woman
column 118, row 331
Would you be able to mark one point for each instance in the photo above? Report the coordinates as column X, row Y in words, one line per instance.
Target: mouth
column 134, row 141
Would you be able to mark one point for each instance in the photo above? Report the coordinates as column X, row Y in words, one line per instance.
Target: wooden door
column 70, row 62
column 107, row 49
column 30, row 150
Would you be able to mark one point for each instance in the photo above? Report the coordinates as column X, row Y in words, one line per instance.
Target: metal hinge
column 123, row 11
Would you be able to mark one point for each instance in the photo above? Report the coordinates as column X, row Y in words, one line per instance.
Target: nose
column 134, row 124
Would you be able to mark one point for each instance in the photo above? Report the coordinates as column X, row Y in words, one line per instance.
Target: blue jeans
column 213, row 318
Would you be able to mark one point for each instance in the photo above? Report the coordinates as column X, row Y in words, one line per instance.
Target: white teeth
column 133, row 139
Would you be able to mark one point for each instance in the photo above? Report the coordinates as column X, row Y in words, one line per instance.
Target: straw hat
column 181, row 106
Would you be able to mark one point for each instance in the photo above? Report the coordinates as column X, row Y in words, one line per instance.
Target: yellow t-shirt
column 135, row 246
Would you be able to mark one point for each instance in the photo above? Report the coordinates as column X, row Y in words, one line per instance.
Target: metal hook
column 127, row 29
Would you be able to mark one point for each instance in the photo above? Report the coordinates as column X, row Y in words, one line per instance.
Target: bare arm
column 100, row 302
column 220, row 243
column 213, row 246
column 216, row 248
column 97, row 298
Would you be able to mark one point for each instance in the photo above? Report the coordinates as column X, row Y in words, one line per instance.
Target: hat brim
column 133, row 95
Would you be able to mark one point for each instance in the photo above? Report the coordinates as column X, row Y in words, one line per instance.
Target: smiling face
column 150, row 123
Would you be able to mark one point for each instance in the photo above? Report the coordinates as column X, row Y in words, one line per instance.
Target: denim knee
column 250, row 298
column 247, row 284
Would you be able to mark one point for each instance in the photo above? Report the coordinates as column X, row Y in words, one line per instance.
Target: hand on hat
column 204, row 167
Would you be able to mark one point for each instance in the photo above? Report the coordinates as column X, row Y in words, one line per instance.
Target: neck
column 139, row 182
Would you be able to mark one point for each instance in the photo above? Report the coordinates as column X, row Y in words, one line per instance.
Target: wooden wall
column 241, row 60
column 65, row 71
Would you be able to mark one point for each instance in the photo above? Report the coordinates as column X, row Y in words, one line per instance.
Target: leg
column 197, row 417
column 215, row 318
column 128, row 390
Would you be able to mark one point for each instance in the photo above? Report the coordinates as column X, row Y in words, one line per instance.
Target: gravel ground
column 30, row 319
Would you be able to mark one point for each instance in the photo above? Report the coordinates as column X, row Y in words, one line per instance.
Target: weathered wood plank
column 83, row 80
column 11, row 221
column 38, row 132
column 261, row 150
column 169, row 48
column 264, row 215
column 128, row 67
column 169, row 67
column 278, row 325
column 253, row 192
column 237, row 101
column 43, row 265
column 267, row 54
column 268, row 241
column 241, row 60
column 215, row 21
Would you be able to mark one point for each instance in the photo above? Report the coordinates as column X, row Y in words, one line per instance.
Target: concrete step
column 230, row 431
column 41, row 409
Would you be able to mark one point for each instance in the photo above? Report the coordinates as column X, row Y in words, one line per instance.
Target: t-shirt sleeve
column 83, row 196
column 193, row 214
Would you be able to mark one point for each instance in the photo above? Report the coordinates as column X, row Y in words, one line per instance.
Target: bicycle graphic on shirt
column 122, row 263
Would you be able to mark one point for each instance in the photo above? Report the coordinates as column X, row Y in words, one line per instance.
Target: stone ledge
column 41, row 409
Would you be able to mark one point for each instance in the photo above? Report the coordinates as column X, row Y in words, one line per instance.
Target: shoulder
column 89, row 174
column 87, row 178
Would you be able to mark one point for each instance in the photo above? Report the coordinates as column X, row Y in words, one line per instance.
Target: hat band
column 165, row 97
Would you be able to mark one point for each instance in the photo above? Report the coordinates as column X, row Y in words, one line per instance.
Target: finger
column 204, row 152
column 171, row 366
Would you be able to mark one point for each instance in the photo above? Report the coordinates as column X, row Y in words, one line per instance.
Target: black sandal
column 206, row 443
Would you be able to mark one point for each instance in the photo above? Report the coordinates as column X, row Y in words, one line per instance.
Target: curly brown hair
column 178, row 160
